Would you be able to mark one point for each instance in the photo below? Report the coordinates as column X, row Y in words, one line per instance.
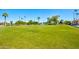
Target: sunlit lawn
column 39, row 36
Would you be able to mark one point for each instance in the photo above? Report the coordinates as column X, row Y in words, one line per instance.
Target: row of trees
column 50, row 21
column 54, row 20
column 30, row 22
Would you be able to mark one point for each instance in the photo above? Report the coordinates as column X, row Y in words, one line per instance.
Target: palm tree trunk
column 73, row 16
column 38, row 21
column 5, row 21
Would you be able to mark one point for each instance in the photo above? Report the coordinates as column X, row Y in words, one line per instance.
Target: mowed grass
column 39, row 36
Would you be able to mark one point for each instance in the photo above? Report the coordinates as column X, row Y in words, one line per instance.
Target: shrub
column 32, row 22
column 67, row 22
column 20, row 22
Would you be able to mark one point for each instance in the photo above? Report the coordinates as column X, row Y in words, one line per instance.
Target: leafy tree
column 67, row 22
column 53, row 20
column 5, row 15
column 32, row 22
column 61, row 21
column 48, row 21
column 20, row 22
column 35, row 23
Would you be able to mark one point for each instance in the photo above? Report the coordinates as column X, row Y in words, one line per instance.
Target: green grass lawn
column 39, row 36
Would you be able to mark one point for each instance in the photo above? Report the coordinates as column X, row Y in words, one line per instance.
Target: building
column 75, row 22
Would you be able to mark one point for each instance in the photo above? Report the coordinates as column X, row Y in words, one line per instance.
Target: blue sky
column 32, row 14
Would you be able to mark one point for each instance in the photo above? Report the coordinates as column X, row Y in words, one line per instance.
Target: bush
column 61, row 22
column 20, row 22
column 67, row 22
column 32, row 22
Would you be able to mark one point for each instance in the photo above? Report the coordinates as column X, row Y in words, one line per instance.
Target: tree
column 53, row 20
column 11, row 23
column 38, row 18
column 49, row 21
column 19, row 22
column 30, row 22
column 35, row 23
column 5, row 15
column 25, row 18
column 61, row 21
column 67, row 22
column 75, row 14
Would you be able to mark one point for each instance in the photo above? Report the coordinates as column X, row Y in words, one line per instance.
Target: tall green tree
column 67, row 22
column 53, row 20
column 5, row 15
column 30, row 22
column 20, row 22
column 49, row 20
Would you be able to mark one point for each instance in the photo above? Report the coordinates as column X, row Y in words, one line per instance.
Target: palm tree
column 75, row 14
column 25, row 18
column 5, row 15
column 19, row 18
column 48, row 20
column 38, row 18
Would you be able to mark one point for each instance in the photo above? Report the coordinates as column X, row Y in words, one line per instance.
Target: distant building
column 75, row 22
